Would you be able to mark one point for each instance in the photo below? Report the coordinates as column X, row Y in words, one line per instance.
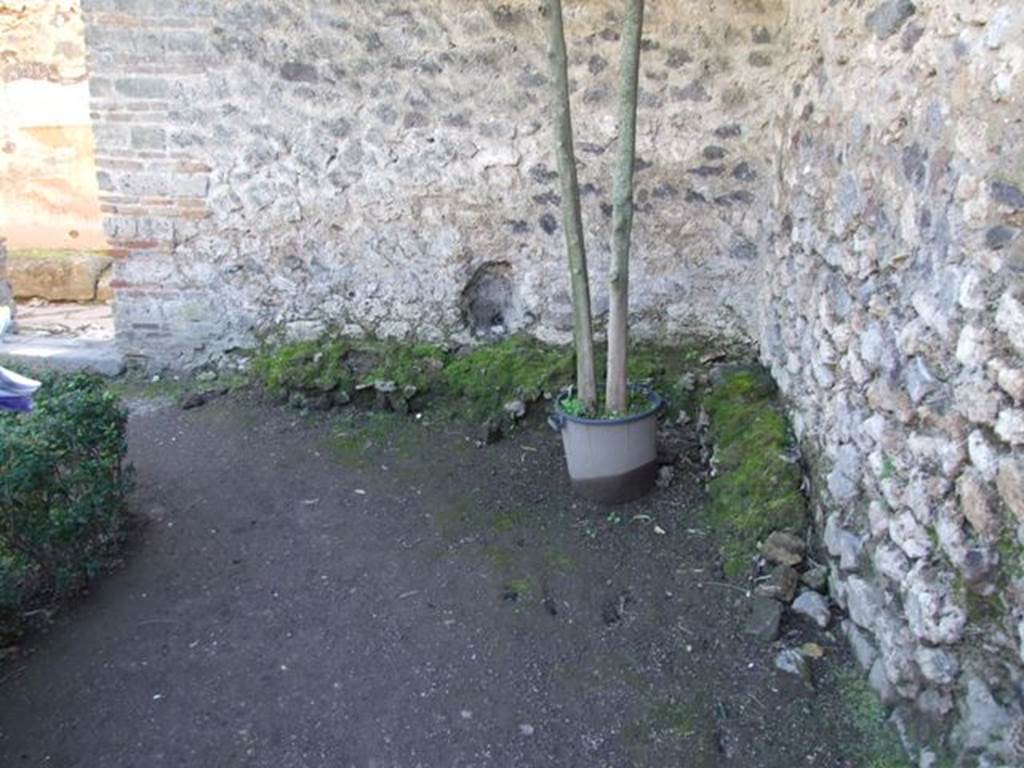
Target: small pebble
column 793, row 662
column 814, row 607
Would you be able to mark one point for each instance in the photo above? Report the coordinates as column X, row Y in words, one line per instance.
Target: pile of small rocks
column 788, row 580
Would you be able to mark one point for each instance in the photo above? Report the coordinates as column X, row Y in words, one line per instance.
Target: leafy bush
column 62, row 491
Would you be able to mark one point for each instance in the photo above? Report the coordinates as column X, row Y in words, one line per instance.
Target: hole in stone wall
column 487, row 300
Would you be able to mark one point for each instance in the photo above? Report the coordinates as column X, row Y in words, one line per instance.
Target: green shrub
column 62, row 491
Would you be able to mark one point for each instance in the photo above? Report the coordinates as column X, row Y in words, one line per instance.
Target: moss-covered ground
column 472, row 382
column 756, row 485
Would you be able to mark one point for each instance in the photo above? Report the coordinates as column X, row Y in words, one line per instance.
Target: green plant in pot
column 610, row 445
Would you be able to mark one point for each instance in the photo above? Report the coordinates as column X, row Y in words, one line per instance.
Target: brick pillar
column 146, row 59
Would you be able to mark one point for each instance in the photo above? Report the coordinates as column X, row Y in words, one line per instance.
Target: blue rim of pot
column 558, row 419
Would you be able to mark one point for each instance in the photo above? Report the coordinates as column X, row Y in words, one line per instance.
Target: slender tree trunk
column 622, row 211
column 572, row 221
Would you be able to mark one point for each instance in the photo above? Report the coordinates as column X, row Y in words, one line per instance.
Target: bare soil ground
column 372, row 590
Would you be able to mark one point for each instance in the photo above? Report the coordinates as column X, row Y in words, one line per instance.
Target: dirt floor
column 374, row 590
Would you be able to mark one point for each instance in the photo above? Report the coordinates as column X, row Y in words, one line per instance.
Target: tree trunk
column 572, row 221
column 616, row 399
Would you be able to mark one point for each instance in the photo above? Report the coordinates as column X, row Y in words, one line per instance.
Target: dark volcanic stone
column 704, row 171
column 299, row 72
column 663, row 191
column 999, row 237
column 743, row 250
column 914, row 168
column 887, row 18
column 911, row 35
column 764, row 619
column 692, row 92
column 1007, row 194
column 737, row 196
column 677, row 57
column 729, row 131
column 743, row 172
column 542, row 175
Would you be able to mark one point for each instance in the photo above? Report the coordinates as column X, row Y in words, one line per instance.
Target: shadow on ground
column 371, row 590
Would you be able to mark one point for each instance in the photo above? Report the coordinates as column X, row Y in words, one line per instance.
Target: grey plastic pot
column 611, row 461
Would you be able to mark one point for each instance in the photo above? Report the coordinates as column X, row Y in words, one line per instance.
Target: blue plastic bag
column 15, row 404
column 16, row 391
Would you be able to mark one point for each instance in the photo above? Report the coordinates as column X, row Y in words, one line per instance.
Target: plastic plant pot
column 611, row 461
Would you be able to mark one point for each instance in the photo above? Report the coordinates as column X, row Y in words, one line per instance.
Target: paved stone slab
column 90, row 321
column 59, row 354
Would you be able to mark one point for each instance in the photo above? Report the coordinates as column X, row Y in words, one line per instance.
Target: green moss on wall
column 878, row 746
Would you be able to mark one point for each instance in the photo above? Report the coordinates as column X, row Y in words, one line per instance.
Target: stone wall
column 387, row 167
column 48, row 193
column 894, row 321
